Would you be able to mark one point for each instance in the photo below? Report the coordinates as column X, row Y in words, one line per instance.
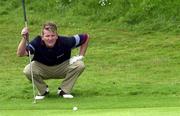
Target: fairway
column 132, row 61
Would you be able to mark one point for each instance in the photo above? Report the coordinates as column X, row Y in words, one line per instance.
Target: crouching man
column 51, row 59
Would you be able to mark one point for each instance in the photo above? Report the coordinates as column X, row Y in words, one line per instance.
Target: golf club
column 29, row 54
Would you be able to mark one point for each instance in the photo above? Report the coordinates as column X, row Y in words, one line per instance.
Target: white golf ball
column 75, row 108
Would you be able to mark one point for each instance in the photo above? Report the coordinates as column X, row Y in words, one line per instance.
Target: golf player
column 52, row 59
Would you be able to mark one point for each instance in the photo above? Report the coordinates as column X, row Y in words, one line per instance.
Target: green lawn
column 128, row 72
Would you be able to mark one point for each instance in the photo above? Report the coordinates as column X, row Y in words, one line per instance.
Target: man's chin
column 50, row 45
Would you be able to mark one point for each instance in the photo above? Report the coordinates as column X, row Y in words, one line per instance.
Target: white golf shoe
column 68, row 96
column 40, row 97
column 64, row 95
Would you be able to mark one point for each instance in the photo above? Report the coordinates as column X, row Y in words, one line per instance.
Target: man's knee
column 80, row 65
column 27, row 71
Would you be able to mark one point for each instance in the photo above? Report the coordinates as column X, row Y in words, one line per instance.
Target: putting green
column 155, row 111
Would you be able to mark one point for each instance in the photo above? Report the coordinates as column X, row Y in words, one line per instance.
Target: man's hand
column 75, row 58
column 25, row 33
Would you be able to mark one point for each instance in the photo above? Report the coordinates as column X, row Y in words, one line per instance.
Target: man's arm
column 21, row 50
column 82, row 51
column 84, row 46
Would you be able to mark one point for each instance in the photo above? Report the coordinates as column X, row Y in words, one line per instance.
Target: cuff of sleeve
column 85, row 36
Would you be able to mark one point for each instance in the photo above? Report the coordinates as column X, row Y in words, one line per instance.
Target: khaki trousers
column 65, row 71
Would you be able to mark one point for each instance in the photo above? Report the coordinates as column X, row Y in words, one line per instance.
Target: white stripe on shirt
column 32, row 47
column 77, row 38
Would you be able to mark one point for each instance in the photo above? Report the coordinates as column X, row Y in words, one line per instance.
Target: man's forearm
column 21, row 50
column 83, row 47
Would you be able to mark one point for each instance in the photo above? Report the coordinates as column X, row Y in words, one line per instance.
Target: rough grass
column 135, row 15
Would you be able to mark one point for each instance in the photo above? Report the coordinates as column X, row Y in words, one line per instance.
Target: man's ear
column 42, row 33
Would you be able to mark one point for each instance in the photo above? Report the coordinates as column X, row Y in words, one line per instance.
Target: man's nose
column 50, row 37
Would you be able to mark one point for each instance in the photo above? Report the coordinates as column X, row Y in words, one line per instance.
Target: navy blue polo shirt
column 59, row 53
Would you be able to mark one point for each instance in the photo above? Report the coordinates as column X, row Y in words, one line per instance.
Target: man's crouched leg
column 74, row 71
column 38, row 81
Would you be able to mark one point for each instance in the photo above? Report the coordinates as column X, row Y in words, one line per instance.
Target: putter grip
column 24, row 10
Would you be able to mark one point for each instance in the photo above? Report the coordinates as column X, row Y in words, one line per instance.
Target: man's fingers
column 75, row 59
column 25, row 33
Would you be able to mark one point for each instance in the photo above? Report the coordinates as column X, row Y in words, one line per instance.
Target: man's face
column 49, row 38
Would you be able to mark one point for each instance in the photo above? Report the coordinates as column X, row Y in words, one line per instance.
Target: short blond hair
column 50, row 27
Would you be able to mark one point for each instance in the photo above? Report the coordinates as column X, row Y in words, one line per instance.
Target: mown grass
column 172, row 111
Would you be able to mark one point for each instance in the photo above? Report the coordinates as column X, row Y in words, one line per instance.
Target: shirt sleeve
column 80, row 39
column 30, row 48
column 32, row 45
